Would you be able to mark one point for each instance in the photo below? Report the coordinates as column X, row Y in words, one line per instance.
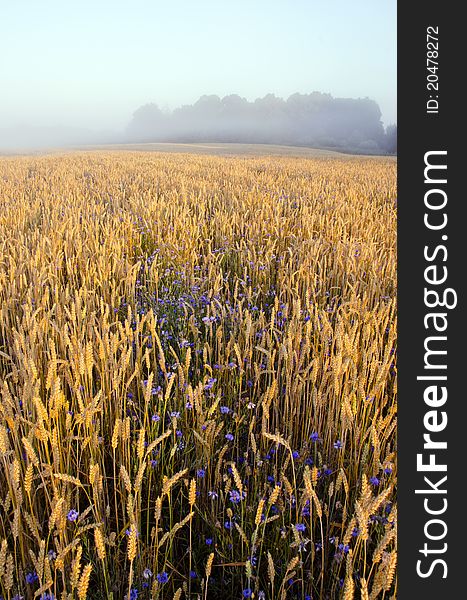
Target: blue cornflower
column 200, row 473
column 247, row 593
column 387, row 471
column 374, row 481
column 72, row 515
column 300, row 527
column 133, row 594
column 155, row 418
column 147, row 573
column 295, row 454
column 314, row 437
column 338, row 445
column 229, row 437
column 228, row 525
column 193, row 574
column 235, row 496
column 225, row 410
column 31, row 577
column 210, row 383
column 213, row 495
column 175, row 414
column 162, row 577
column 208, row 541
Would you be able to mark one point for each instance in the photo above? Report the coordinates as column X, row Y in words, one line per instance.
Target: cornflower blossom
column 72, row 515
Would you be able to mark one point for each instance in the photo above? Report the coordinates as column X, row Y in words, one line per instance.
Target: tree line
column 315, row 119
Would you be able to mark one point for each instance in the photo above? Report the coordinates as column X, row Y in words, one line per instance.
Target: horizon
column 93, row 64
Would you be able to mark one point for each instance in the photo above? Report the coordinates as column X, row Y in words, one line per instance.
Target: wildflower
column 153, row 462
column 343, row 548
column 155, row 418
column 147, row 573
column 229, row 437
column 295, row 454
column 200, row 473
column 189, row 405
column 208, row 541
column 72, row 515
column 210, row 383
column 387, row 471
column 338, row 445
column 193, row 574
column 175, row 414
column 228, row 525
column 300, row 527
column 235, row 496
column 247, row 593
column 314, row 437
column 213, row 495
column 31, row 577
column 251, row 405
column 162, row 577
column 133, row 594
column 374, row 481
column 225, row 410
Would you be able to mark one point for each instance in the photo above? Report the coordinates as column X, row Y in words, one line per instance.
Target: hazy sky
column 93, row 62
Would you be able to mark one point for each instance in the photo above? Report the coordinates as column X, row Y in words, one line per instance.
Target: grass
column 198, row 377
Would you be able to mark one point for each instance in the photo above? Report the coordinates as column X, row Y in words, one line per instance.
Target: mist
column 313, row 120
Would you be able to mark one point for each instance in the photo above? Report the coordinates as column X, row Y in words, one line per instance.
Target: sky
column 92, row 63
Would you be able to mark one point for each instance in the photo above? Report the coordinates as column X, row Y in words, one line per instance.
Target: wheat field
column 198, row 377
